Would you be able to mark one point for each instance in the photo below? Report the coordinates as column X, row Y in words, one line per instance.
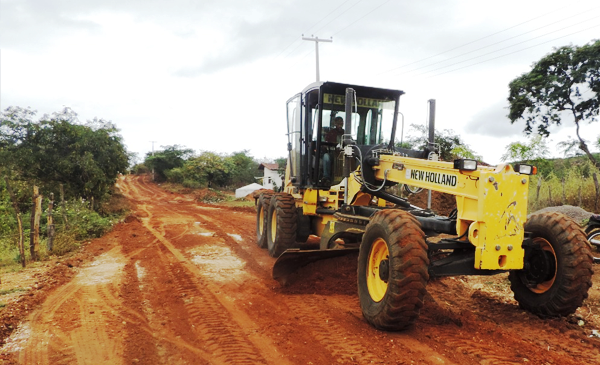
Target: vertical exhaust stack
column 431, row 138
column 347, row 139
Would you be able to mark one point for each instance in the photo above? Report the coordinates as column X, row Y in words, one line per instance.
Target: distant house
column 271, row 175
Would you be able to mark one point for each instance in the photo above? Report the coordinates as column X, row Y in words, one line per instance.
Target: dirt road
column 184, row 283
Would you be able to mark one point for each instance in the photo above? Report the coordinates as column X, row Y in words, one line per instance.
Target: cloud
column 493, row 121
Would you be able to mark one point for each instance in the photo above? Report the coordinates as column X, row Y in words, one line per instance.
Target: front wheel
column 392, row 270
column 557, row 271
column 262, row 210
column 282, row 224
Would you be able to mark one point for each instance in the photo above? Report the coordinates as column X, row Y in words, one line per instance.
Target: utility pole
column 316, row 40
column 152, row 155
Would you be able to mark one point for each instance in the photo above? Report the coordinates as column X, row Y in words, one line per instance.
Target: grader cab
column 338, row 190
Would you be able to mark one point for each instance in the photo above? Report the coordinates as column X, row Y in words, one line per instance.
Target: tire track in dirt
column 92, row 318
column 224, row 331
column 336, row 339
column 509, row 327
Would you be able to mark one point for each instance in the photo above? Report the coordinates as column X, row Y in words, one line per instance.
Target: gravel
column 578, row 214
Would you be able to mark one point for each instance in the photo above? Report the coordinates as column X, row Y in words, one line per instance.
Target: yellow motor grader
column 338, row 192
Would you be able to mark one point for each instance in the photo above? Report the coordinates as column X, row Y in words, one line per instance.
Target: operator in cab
column 333, row 136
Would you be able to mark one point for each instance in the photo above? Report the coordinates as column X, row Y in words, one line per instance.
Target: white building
column 271, row 175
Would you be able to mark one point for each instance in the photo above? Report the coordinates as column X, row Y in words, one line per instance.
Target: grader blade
column 293, row 259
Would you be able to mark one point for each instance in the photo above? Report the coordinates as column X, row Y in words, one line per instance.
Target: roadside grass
column 74, row 225
column 574, row 186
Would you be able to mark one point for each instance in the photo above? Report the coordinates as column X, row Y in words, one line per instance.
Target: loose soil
column 181, row 282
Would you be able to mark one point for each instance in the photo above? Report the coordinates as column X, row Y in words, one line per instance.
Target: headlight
column 526, row 169
column 465, row 165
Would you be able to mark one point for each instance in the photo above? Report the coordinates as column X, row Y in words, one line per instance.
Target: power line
column 331, row 12
column 508, row 54
column 475, row 41
column 328, row 14
column 342, row 13
column 362, row 17
column 505, row 40
column 498, row 50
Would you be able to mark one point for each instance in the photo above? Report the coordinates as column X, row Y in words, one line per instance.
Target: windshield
column 371, row 121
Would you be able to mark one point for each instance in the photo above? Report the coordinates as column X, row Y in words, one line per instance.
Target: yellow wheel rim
column 377, row 287
column 261, row 220
column 273, row 225
column 546, row 285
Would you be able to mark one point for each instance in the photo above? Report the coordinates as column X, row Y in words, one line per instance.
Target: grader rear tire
column 262, row 209
column 392, row 270
column 282, row 224
column 558, row 274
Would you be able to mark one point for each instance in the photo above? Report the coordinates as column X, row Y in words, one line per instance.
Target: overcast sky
column 214, row 75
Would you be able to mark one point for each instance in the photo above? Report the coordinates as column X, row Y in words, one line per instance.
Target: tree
column 170, row 157
column 450, row 144
column 59, row 150
column 208, row 168
column 532, row 152
column 566, row 81
column 536, row 149
column 243, row 168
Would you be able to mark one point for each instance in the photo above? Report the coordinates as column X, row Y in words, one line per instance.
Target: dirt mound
column 325, row 277
column 441, row 203
column 208, row 195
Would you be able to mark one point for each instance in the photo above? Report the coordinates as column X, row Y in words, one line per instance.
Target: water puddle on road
column 217, row 262
column 102, row 270
column 236, row 237
column 18, row 339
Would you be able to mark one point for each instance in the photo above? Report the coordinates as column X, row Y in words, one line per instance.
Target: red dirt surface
column 185, row 283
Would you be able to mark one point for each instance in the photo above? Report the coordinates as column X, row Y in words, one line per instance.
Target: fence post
column 537, row 195
column 579, row 193
column 62, row 206
column 34, row 235
column 564, row 196
column 550, row 203
column 50, row 224
column 597, row 192
column 19, row 221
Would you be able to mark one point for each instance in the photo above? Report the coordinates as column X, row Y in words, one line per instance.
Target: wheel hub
column 384, row 270
column 541, row 267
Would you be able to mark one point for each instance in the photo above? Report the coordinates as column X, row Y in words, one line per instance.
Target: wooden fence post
column 50, row 224
column 19, row 221
column 62, row 205
column 550, row 203
column 564, row 196
column 537, row 195
column 597, row 192
column 579, row 192
column 36, row 213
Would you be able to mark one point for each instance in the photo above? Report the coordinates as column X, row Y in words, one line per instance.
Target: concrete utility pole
column 317, row 40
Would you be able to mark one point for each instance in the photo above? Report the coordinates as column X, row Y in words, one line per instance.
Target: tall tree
column 243, row 168
column 566, row 81
column 59, row 150
column 170, row 157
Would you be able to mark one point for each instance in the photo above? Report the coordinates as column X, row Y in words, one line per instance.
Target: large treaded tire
column 395, row 304
column 282, row 224
column 262, row 209
column 562, row 293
